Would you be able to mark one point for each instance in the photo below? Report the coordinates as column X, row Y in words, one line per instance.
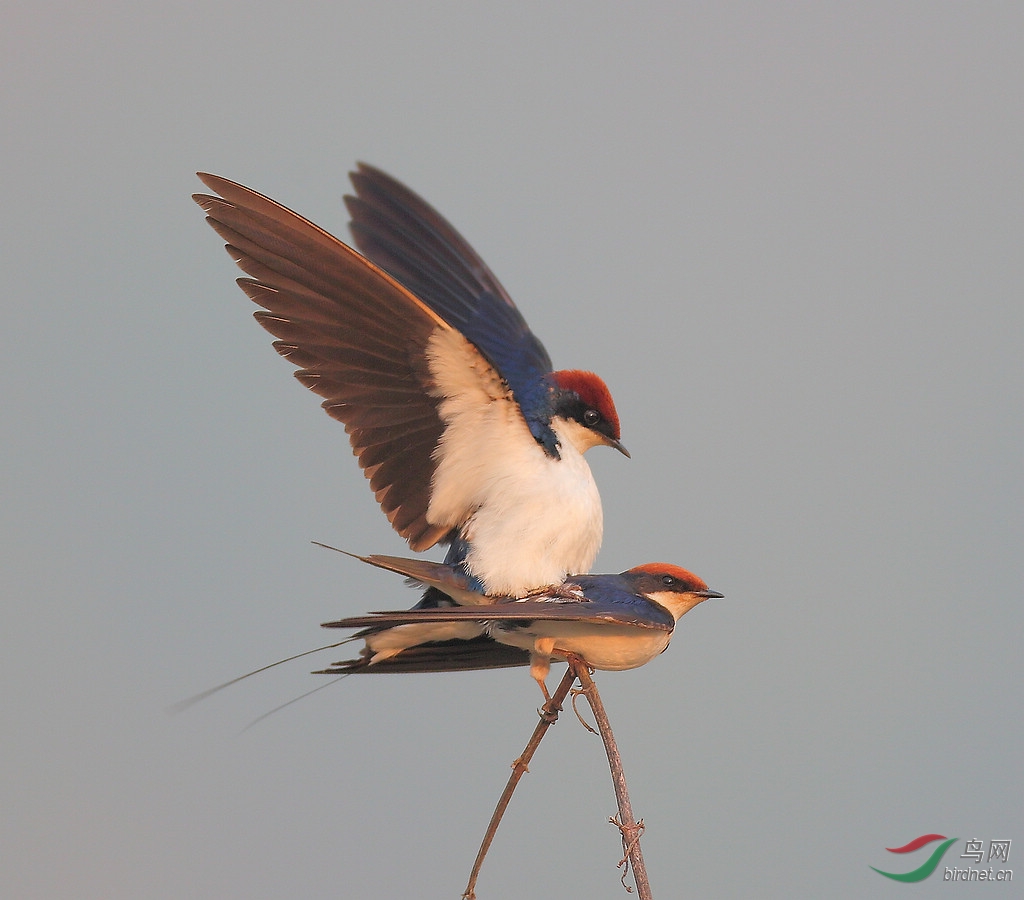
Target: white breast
column 530, row 520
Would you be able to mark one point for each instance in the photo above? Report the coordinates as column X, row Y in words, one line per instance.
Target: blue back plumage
column 400, row 232
column 619, row 591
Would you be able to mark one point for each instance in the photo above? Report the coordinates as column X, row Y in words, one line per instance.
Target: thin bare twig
column 574, row 693
column 627, row 825
column 548, row 716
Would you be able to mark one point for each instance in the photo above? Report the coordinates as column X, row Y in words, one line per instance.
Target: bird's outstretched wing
column 382, row 358
column 403, row 234
column 355, row 335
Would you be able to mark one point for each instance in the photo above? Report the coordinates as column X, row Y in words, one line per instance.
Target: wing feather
column 559, row 610
column 357, row 337
column 406, row 236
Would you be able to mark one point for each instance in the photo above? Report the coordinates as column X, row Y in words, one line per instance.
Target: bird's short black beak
column 618, row 446
column 710, row 595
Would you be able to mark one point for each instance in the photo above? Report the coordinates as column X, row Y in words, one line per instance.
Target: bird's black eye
column 667, row 580
column 591, row 417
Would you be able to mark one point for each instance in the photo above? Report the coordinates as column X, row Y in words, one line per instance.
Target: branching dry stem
column 548, row 716
column 629, row 828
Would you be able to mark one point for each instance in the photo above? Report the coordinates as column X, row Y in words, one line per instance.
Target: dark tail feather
column 438, row 656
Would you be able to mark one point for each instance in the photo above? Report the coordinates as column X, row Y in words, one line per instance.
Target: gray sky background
column 789, row 238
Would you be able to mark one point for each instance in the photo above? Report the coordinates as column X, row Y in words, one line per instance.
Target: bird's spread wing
column 637, row 614
column 437, row 656
column 359, row 339
column 407, row 237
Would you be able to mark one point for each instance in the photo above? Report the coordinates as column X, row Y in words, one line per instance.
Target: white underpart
column 530, row 520
column 391, row 641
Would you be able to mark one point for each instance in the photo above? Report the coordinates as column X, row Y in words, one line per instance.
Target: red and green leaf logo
column 922, row 872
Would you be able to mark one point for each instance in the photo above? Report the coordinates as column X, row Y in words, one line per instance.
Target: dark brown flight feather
column 356, row 335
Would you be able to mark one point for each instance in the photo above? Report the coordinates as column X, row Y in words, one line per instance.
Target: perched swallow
column 612, row 621
column 465, row 433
